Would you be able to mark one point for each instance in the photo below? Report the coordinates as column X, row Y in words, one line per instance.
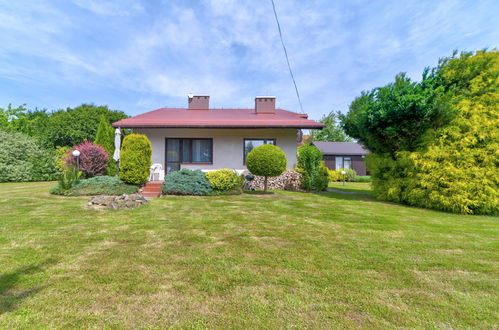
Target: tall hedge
column 315, row 175
column 22, row 159
column 457, row 170
column 135, row 159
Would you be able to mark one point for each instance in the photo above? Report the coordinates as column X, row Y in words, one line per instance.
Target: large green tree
column 450, row 160
column 332, row 131
column 399, row 116
column 58, row 128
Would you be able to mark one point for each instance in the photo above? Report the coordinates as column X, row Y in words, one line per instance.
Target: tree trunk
column 265, row 184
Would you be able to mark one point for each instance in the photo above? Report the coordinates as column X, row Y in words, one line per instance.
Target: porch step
column 152, row 189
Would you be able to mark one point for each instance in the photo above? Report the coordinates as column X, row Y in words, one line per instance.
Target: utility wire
column 286, row 54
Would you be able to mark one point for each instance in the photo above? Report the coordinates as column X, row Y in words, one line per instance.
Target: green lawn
column 250, row 261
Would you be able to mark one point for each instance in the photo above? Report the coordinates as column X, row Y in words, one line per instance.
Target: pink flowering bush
column 93, row 159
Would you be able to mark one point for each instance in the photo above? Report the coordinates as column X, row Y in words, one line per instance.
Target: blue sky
column 137, row 56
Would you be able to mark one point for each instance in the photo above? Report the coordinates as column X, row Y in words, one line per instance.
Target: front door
column 172, row 155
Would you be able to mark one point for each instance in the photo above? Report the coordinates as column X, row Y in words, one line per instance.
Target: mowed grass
column 283, row 260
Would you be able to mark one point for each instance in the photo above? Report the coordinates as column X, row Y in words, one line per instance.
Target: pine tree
column 105, row 138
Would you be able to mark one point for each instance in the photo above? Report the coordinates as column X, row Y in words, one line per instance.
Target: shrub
column 99, row 185
column 105, row 139
column 266, row 160
column 92, row 159
column 223, row 180
column 309, row 164
column 68, row 178
column 135, row 159
column 334, row 175
column 322, row 178
column 363, row 178
column 22, row 159
column 186, row 182
column 61, row 155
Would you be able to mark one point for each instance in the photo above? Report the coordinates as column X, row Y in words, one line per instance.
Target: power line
column 286, row 54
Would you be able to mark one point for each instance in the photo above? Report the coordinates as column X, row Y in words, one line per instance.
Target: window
column 343, row 163
column 182, row 151
column 249, row 144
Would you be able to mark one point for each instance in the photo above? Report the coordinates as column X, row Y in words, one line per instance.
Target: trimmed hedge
column 135, row 159
column 186, row 182
column 99, row 185
column 223, row 180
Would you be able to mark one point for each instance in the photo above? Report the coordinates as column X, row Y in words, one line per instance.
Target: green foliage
column 186, row 182
column 61, row 154
column 266, row 160
column 400, row 115
column 223, row 180
column 105, row 138
column 322, row 178
column 332, row 131
column 58, row 128
column 22, row 159
column 350, row 175
column 135, row 159
column 456, row 171
column 99, row 185
column 363, row 178
column 67, row 179
column 310, row 165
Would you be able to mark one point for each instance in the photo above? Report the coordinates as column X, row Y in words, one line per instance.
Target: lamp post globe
column 76, row 154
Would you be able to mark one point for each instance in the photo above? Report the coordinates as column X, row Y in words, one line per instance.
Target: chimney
column 198, row 102
column 265, row 104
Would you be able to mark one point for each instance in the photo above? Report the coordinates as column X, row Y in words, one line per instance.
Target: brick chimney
column 198, row 102
column 265, row 104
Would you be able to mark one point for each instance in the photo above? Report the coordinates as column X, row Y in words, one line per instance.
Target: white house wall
column 227, row 144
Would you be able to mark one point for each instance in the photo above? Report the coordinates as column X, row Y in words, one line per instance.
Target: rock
column 116, row 202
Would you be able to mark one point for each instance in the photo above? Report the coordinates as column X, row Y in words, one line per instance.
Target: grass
column 248, row 261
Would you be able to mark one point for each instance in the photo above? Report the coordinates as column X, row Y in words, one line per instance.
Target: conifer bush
column 135, row 159
column 186, row 182
column 105, row 139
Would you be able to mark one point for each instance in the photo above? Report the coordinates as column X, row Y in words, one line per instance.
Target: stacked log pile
column 289, row 180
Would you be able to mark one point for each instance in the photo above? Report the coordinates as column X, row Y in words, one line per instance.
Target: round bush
column 135, row 159
column 266, row 160
column 223, row 180
column 186, row 182
column 93, row 159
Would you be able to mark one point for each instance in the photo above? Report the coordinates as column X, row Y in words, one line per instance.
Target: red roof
column 218, row 118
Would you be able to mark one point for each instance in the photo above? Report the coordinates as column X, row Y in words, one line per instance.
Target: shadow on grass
column 258, row 192
column 9, row 296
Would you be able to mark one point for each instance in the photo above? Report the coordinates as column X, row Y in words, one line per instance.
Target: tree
column 332, row 130
column 266, row 160
column 105, row 139
column 135, row 161
column 400, row 115
column 449, row 162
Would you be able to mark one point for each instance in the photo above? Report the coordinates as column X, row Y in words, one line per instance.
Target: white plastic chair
column 156, row 172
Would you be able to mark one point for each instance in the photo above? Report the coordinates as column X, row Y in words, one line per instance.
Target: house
column 200, row 137
column 346, row 155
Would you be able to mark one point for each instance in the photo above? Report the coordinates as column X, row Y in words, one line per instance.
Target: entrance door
column 172, row 155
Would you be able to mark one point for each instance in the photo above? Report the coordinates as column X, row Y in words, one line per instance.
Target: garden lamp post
column 343, row 176
column 76, row 154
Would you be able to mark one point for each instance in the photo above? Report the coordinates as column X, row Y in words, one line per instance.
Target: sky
column 137, row 56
